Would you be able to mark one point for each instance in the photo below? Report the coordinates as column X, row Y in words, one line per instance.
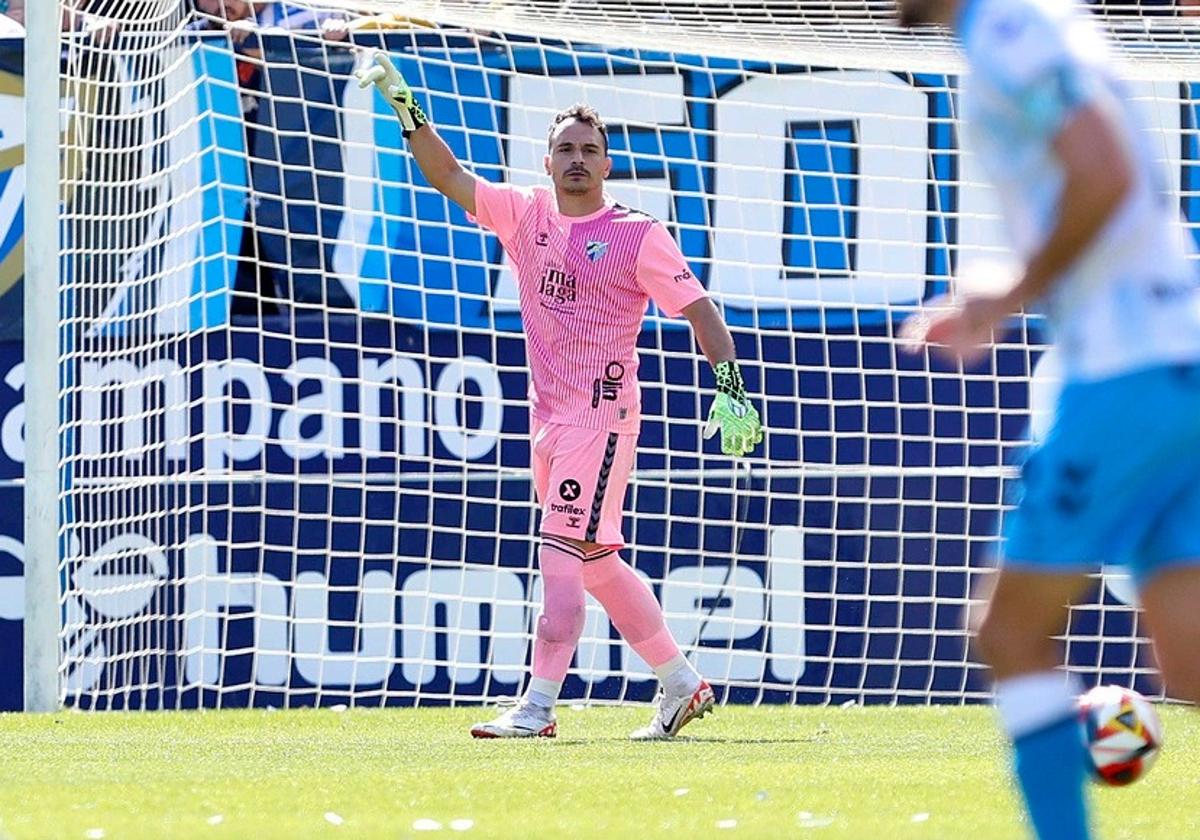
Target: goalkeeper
column 586, row 268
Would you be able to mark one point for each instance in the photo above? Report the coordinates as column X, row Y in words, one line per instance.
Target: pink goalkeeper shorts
column 580, row 476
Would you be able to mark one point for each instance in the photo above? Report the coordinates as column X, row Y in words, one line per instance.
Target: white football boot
column 522, row 721
column 675, row 711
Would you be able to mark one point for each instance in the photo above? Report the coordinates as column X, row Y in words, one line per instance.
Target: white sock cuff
column 1034, row 701
column 545, row 687
column 673, row 665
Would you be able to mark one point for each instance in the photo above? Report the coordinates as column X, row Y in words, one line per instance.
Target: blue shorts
column 1117, row 479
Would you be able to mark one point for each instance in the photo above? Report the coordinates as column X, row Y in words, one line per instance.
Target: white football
column 1124, row 733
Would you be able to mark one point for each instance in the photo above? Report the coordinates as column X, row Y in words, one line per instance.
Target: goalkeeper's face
column 577, row 162
column 925, row 12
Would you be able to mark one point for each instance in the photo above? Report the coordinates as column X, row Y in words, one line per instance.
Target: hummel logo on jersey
column 595, row 250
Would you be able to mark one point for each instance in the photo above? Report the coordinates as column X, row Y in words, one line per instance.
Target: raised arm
column 433, row 156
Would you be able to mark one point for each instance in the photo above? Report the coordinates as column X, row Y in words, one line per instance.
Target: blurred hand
column 961, row 328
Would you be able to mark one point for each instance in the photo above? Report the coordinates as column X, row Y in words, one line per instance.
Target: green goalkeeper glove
column 733, row 413
column 395, row 90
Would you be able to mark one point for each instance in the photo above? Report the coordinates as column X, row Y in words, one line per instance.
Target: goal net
column 295, row 465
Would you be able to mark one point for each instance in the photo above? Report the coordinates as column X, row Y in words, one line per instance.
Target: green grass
column 779, row 772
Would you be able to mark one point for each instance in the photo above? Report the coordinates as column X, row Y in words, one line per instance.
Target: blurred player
column 1118, row 477
column 586, row 269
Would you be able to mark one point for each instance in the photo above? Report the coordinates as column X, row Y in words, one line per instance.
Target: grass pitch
column 891, row 773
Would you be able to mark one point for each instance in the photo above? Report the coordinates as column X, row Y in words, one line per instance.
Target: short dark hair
column 583, row 113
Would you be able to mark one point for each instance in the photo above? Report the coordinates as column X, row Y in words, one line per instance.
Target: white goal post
column 42, row 621
column 280, row 457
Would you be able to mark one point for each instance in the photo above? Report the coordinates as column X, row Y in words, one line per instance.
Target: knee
column 988, row 639
column 562, row 623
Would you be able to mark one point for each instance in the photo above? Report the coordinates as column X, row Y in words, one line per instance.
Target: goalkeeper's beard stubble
column 576, row 185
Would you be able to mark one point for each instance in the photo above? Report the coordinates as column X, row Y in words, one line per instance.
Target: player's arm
column 1098, row 175
column 663, row 272
column 732, row 413
column 714, row 338
column 437, row 162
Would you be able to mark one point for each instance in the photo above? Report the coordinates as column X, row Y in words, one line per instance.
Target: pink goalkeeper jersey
column 584, row 285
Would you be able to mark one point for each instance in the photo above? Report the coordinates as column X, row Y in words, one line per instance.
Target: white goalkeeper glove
column 396, row 92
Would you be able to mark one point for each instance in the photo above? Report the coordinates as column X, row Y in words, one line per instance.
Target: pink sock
column 632, row 607
column 563, row 610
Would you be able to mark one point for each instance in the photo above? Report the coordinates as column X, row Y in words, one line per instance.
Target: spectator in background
column 242, row 17
column 75, row 17
column 332, row 24
column 262, row 285
column 271, row 272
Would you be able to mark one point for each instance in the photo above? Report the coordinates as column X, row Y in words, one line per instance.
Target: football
column 1124, row 733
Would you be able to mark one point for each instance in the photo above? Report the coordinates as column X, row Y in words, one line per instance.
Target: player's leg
column 629, row 601
column 587, row 489
column 635, row 612
column 561, row 620
column 1168, row 567
column 1097, row 489
column 1169, row 601
column 1078, row 488
column 556, row 636
column 1037, row 703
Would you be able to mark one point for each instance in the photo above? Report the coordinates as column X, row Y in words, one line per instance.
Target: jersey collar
column 574, row 220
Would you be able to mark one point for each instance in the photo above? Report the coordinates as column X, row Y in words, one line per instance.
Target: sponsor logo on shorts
column 686, row 275
column 608, row 386
column 569, row 490
column 568, row 508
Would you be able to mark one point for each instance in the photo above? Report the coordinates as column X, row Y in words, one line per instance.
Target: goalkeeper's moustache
column 396, row 92
column 732, row 413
